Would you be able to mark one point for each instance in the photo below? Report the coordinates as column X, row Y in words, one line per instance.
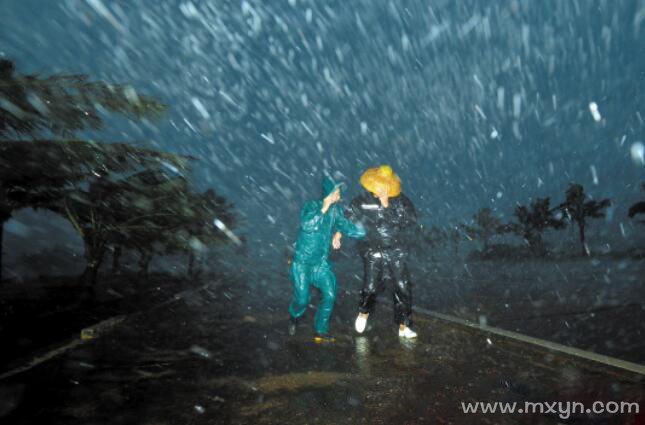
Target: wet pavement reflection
column 224, row 357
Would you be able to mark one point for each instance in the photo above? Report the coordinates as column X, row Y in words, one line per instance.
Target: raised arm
column 353, row 211
column 348, row 228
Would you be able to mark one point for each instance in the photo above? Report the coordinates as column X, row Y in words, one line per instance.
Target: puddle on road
column 288, row 382
column 298, row 381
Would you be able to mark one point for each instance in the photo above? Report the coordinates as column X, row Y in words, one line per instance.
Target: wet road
column 223, row 355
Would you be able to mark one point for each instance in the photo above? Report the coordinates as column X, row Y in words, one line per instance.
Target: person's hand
column 383, row 197
column 385, row 200
column 335, row 243
column 326, row 204
column 330, row 199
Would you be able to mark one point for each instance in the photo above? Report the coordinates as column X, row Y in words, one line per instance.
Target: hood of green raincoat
column 329, row 185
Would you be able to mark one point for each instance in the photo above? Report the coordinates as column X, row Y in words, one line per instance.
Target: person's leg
column 402, row 294
column 300, row 299
column 372, row 283
column 325, row 280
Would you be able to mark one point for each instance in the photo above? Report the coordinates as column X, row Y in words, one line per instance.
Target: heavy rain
column 322, row 212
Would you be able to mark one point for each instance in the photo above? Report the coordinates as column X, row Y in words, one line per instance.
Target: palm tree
column 486, row 225
column 533, row 221
column 578, row 208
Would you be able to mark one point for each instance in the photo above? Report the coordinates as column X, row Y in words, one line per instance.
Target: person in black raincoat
column 388, row 216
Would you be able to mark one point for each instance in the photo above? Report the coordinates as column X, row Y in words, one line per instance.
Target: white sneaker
column 360, row 324
column 407, row 333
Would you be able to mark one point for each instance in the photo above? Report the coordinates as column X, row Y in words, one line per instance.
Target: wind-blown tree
column 208, row 207
column 485, row 226
column 579, row 208
column 63, row 104
column 198, row 231
column 126, row 211
column 165, row 197
column 39, row 173
column 176, row 220
column 87, row 213
column 533, row 221
column 146, row 187
column 34, row 107
column 167, row 201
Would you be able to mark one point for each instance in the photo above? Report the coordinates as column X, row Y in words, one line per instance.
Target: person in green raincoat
column 322, row 224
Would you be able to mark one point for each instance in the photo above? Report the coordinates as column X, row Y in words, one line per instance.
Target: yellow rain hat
column 380, row 179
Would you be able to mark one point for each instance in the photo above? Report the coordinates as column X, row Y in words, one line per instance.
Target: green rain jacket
column 317, row 229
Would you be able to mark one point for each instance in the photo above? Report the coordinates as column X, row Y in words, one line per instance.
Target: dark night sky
column 473, row 103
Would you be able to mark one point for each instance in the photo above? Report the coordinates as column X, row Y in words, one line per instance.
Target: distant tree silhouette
column 638, row 207
column 436, row 237
column 427, row 241
column 455, row 237
column 579, row 208
column 486, row 225
column 533, row 221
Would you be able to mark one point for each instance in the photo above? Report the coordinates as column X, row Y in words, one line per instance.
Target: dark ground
column 222, row 355
column 596, row 304
column 38, row 315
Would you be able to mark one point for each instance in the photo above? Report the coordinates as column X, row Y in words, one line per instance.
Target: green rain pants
column 322, row 277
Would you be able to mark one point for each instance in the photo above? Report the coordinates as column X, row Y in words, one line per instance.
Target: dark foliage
column 638, row 207
column 532, row 221
column 579, row 208
column 485, row 226
column 63, row 104
column 113, row 193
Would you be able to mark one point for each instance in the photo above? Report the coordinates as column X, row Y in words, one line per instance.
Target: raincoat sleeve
column 353, row 212
column 311, row 216
column 409, row 213
column 345, row 226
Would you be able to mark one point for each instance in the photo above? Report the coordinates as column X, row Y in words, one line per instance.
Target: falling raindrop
column 637, row 152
